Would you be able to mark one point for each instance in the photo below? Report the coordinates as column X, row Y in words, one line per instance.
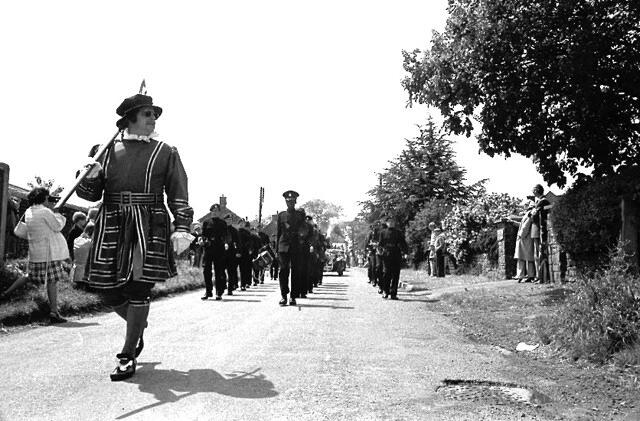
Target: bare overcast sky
column 280, row 94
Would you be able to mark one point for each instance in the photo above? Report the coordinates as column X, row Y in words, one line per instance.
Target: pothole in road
column 490, row 392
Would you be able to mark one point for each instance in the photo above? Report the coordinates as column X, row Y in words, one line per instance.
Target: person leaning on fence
column 48, row 250
column 440, row 249
column 539, row 233
column 132, row 242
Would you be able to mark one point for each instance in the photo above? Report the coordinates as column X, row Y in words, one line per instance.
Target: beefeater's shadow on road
column 166, row 385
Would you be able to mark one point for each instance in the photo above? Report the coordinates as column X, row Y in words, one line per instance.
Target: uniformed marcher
column 275, row 265
column 214, row 231
column 393, row 246
column 245, row 250
column 231, row 255
column 379, row 267
column 291, row 236
column 132, row 239
column 325, row 245
column 372, row 244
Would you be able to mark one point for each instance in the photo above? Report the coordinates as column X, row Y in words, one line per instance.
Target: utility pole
column 260, row 207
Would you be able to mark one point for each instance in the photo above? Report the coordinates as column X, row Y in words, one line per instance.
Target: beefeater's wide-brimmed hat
column 133, row 103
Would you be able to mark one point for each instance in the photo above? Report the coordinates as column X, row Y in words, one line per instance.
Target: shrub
column 587, row 219
column 469, row 227
column 602, row 316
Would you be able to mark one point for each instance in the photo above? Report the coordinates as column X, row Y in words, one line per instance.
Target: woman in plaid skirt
column 47, row 248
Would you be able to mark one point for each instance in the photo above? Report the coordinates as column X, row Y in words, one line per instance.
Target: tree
column 425, row 170
column 337, row 234
column 322, row 212
column 556, row 81
column 48, row 184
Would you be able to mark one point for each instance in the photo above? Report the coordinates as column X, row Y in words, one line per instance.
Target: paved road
column 343, row 353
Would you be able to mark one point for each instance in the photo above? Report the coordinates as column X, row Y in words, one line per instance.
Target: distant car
column 336, row 261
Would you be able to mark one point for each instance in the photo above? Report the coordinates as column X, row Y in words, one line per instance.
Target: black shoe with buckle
column 385, row 295
column 292, row 302
column 283, row 301
column 243, row 289
column 206, row 296
column 125, row 369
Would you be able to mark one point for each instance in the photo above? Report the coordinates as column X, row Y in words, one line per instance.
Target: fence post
column 506, row 234
column 4, row 197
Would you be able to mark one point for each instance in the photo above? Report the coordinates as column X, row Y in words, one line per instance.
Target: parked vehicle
column 336, row 261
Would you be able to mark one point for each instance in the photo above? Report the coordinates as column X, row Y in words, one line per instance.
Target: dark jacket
column 392, row 242
column 292, row 230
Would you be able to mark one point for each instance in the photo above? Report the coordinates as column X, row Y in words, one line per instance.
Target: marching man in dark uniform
column 245, row 249
column 372, row 244
column 132, row 240
column 393, row 246
column 231, row 255
column 214, row 231
column 290, row 238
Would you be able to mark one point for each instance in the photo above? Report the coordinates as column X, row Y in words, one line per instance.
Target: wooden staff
column 84, row 172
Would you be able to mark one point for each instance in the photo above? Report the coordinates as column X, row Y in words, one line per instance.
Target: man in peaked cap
column 291, row 236
column 132, row 243
column 214, row 232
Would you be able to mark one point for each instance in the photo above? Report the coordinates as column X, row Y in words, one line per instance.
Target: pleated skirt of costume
column 130, row 242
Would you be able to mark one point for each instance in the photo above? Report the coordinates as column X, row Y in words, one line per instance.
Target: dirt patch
column 504, row 314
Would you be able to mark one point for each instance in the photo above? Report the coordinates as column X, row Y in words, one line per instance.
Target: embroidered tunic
column 127, row 236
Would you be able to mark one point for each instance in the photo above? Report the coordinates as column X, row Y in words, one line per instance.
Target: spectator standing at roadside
column 47, row 248
column 81, row 248
column 79, row 221
column 10, row 239
column 440, row 248
column 432, row 249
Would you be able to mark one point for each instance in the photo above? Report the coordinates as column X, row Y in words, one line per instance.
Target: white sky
column 281, row 94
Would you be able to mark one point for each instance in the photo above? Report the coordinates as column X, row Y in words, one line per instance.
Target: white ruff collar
column 131, row 136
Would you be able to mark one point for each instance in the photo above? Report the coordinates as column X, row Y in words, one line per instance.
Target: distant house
column 271, row 228
column 235, row 219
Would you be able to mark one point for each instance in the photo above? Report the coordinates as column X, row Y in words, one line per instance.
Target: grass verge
column 30, row 304
column 503, row 314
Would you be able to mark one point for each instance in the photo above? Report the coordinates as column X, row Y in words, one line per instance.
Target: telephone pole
column 260, row 207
